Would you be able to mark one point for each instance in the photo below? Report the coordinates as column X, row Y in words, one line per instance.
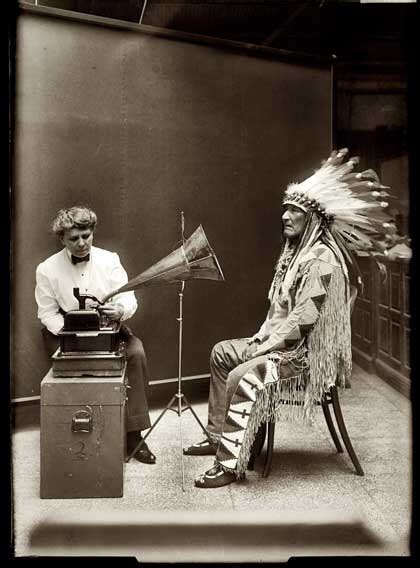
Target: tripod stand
column 179, row 402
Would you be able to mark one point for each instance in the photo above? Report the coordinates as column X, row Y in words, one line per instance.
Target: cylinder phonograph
column 91, row 346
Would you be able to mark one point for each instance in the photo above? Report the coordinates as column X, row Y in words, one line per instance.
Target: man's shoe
column 144, row 455
column 216, row 477
column 204, row 448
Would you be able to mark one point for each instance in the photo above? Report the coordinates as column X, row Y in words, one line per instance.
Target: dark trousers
column 137, row 377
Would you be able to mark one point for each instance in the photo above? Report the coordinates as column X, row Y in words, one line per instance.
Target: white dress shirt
column 57, row 276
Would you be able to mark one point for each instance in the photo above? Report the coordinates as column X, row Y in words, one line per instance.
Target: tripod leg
column 143, row 440
column 181, row 446
column 189, row 407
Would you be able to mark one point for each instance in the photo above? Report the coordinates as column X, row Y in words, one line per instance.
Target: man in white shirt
column 96, row 272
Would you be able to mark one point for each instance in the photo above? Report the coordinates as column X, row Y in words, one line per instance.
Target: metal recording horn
column 193, row 260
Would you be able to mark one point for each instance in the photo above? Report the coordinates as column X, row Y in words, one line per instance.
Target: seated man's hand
column 250, row 350
column 112, row 310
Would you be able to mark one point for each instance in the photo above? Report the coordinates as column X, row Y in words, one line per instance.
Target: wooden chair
column 330, row 398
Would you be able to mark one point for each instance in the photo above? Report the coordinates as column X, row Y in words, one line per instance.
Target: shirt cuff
column 124, row 310
column 55, row 328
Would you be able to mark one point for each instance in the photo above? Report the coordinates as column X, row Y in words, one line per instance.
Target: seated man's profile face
column 293, row 221
column 78, row 241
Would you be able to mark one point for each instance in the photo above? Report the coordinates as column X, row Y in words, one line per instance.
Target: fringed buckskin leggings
column 242, row 395
column 227, row 367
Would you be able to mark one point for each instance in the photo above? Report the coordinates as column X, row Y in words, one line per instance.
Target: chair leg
column 257, row 445
column 343, row 430
column 330, row 424
column 270, row 444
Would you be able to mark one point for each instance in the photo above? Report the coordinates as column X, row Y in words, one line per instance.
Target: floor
column 313, row 503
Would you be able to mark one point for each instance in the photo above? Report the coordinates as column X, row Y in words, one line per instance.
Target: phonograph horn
column 193, row 260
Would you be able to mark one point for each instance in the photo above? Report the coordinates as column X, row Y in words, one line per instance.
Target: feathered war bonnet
column 352, row 205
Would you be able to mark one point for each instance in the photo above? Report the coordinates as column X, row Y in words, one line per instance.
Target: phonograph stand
column 179, row 402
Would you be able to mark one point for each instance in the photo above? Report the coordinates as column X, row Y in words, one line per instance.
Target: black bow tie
column 76, row 259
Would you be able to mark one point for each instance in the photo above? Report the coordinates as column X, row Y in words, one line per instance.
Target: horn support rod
column 179, row 402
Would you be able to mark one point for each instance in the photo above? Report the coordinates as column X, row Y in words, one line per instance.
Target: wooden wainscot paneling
column 363, row 335
column 381, row 320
